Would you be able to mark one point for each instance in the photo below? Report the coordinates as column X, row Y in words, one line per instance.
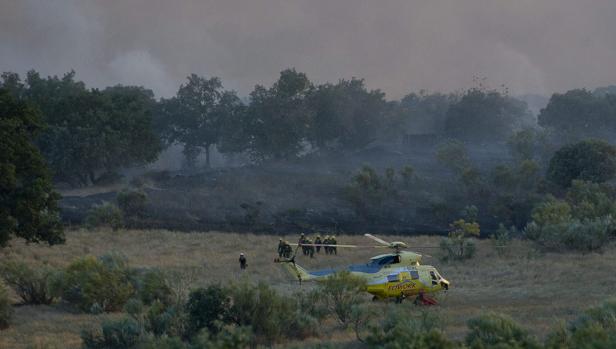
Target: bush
column 587, row 235
column 230, row 337
column 457, row 246
column 153, row 286
column 161, row 319
column 105, row 215
column 270, row 315
column 91, row 283
column 401, row 328
column 311, row 303
column 501, row 238
column 207, row 308
column 340, row 293
column 498, row 331
column 6, row 309
column 595, row 328
column 589, row 160
column 131, row 203
column 120, row 334
column 32, row 285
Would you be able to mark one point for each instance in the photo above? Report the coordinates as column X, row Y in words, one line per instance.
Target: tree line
column 89, row 134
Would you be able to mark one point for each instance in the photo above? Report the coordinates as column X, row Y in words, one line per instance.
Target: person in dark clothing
column 317, row 241
column 280, row 248
column 243, row 263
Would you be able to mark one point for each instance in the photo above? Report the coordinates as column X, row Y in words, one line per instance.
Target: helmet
column 241, row 254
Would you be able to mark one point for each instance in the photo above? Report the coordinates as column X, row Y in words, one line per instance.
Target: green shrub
column 340, row 293
column 457, row 246
column 104, row 283
column 154, row 286
column 230, row 337
column 6, row 309
column 161, row 319
column 207, row 308
column 32, row 285
column 498, row 331
column 456, row 249
column 595, row 328
column 132, row 203
column 105, row 215
column 311, row 303
column 501, row 238
column 403, row 328
column 134, row 308
column 271, row 316
column 119, row 334
column 587, row 235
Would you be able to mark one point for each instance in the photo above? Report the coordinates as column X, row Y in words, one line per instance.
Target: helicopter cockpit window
column 414, row 274
column 396, row 260
column 433, row 275
column 384, row 261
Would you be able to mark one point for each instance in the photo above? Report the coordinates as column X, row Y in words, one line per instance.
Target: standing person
column 287, row 250
column 243, row 262
column 280, row 248
column 301, row 242
column 334, row 242
column 310, row 248
column 318, row 242
column 326, row 241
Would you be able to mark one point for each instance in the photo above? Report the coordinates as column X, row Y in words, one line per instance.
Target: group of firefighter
column 309, row 246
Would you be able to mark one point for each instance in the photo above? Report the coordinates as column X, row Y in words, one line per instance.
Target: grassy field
column 536, row 289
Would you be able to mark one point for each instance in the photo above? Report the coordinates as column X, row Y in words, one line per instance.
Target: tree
column 481, row 116
column 527, row 144
column 346, row 115
column 90, row 133
column 276, row 121
column 28, row 203
column 579, row 114
column 589, row 160
column 424, row 113
column 454, row 155
column 195, row 117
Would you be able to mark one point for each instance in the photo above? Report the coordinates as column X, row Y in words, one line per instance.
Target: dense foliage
column 90, row 133
column 32, row 285
column 589, row 160
column 579, row 114
column 28, row 203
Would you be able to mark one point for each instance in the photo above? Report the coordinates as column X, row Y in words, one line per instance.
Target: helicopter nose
column 445, row 284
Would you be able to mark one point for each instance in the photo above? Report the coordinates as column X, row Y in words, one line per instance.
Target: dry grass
column 536, row 289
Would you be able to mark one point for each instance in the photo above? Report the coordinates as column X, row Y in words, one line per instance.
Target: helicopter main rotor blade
column 380, row 241
column 330, row 245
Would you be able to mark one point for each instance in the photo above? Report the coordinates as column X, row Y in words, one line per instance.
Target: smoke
column 397, row 45
column 140, row 68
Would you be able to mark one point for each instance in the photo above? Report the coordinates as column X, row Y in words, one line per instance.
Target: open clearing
column 537, row 289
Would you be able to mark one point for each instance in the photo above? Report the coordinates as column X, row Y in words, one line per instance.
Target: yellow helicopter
column 393, row 275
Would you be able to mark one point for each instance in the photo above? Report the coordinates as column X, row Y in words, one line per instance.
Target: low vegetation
column 217, row 307
column 33, row 284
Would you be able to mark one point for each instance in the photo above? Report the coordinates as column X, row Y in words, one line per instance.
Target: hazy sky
column 533, row 46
